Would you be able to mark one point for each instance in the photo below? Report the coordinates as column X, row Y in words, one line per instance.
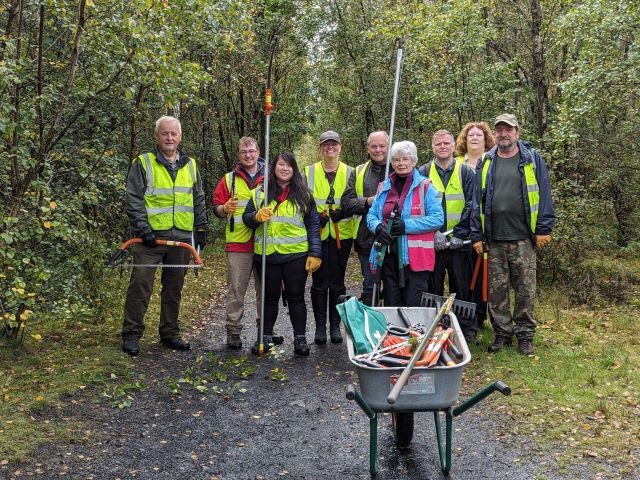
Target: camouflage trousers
column 512, row 264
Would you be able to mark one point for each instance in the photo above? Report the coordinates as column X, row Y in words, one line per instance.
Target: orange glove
column 478, row 248
column 230, row 207
column 264, row 214
column 313, row 264
column 542, row 240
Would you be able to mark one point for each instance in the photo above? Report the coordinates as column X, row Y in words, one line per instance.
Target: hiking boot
column 498, row 344
column 471, row 340
column 131, row 346
column 175, row 343
column 525, row 346
column 300, row 346
column 320, row 338
column 234, row 342
column 267, row 340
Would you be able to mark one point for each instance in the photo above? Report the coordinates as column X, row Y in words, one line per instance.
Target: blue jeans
column 367, row 276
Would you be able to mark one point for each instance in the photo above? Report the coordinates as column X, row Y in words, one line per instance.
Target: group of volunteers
column 482, row 193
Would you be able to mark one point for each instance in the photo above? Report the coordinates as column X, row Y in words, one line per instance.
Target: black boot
column 300, row 346
column 334, row 319
column 319, row 304
column 499, row 343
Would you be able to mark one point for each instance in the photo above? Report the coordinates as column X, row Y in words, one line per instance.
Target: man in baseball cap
column 513, row 216
column 330, row 135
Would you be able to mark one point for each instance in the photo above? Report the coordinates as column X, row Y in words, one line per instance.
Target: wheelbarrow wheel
column 403, row 428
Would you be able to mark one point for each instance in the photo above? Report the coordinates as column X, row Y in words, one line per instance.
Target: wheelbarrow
column 434, row 389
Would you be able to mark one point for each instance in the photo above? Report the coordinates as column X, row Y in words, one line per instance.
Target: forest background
column 82, row 82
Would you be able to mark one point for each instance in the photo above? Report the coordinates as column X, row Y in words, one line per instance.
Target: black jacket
column 352, row 204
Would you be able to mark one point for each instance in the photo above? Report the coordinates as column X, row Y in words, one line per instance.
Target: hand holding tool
column 323, row 220
column 313, row 264
column 383, row 236
column 230, row 206
column 149, row 239
column 439, row 241
column 478, row 247
column 200, row 239
column 455, row 243
column 397, row 227
column 264, row 214
column 542, row 240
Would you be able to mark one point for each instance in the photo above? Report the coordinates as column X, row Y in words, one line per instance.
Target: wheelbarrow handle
column 170, row 243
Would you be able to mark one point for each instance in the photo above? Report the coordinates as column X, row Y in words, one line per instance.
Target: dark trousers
column 329, row 278
column 293, row 276
column 141, row 287
column 457, row 264
column 415, row 283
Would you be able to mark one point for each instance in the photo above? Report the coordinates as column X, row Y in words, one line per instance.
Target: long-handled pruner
column 120, row 257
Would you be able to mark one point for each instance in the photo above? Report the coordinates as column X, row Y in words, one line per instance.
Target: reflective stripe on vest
column 168, row 202
column 286, row 232
column 533, row 192
column 361, row 171
column 453, row 202
column 320, row 189
column 241, row 233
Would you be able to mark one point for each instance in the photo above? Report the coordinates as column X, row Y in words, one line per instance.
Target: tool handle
column 169, row 243
column 485, row 274
column 404, row 376
column 403, row 317
column 476, row 270
column 336, row 231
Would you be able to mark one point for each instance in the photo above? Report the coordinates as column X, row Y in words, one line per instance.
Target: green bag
column 365, row 324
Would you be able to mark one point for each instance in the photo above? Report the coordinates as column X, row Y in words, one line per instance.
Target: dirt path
column 289, row 419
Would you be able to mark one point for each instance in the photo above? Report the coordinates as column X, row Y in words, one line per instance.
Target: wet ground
column 289, row 418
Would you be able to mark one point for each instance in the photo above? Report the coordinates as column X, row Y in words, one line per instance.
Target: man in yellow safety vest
column 164, row 201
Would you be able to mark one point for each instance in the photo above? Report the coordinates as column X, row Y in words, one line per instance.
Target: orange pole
column 485, row 274
column 171, row 243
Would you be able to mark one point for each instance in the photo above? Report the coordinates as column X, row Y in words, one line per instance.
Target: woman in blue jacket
column 404, row 215
column 293, row 246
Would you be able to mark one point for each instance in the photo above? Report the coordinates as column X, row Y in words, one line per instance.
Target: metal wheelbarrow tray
column 433, row 389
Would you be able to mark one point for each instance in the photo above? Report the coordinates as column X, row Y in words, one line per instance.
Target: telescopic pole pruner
column 268, row 108
column 399, row 47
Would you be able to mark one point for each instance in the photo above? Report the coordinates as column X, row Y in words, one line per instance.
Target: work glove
column 336, row 215
column 455, row 243
column 478, row 248
column 383, row 236
column 324, row 219
column 313, row 264
column 230, row 207
column 149, row 240
column 201, row 239
column 440, row 241
column 264, row 214
column 397, row 227
column 542, row 240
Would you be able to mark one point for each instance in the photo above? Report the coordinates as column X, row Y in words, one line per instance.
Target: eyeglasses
column 401, row 160
column 247, row 152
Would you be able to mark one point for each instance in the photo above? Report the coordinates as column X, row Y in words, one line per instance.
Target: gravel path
column 300, row 427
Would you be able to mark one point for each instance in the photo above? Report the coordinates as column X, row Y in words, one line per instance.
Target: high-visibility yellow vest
column 241, row 233
column 533, row 192
column 169, row 203
column 286, row 231
column 320, row 188
column 361, row 170
column 453, row 193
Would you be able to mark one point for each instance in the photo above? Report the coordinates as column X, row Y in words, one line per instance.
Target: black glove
column 201, row 239
column 336, row 215
column 149, row 239
column 383, row 236
column 324, row 219
column 397, row 227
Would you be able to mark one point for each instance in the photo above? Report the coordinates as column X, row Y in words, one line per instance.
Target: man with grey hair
column 164, row 201
column 454, row 182
column 512, row 216
column 404, row 214
column 357, row 198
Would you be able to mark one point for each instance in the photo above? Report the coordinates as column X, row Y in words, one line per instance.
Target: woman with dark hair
column 293, row 246
column 472, row 143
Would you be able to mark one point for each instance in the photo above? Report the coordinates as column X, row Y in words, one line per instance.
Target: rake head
column 461, row 308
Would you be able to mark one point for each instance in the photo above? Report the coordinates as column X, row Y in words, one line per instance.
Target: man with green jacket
column 164, row 201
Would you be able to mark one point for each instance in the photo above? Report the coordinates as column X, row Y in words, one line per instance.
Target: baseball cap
column 507, row 118
column 329, row 135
